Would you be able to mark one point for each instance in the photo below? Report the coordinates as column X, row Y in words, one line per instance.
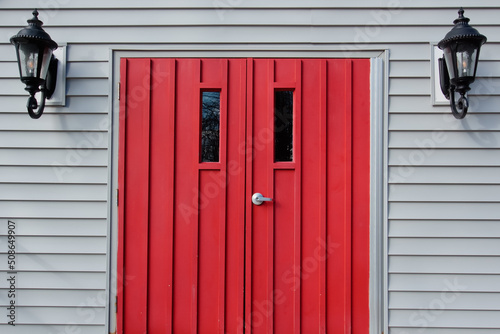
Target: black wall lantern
column 37, row 65
column 458, row 68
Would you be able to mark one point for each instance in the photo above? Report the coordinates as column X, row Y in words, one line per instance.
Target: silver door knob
column 258, row 199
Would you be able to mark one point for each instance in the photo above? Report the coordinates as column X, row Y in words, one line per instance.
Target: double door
column 199, row 250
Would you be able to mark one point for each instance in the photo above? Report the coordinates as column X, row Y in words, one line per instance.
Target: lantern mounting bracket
column 50, row 82
column 459, row 110
column 47, row 90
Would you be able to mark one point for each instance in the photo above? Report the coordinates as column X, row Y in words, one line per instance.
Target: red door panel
column 196, row 255
column 181, row 219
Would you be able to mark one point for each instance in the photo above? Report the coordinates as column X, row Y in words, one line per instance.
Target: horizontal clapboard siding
column 49, row 315
column 354, row 16
column 68, row 298
column 75, row 70
column 421, row 104
column 467, row 301
column 57, row 262
column 445, row 318
column 49, row 192
column 49, row 279
column 52, row 157
column 58, row 227
column 446, row 210
column 431, row 139
column 444, row 246
column 443, row 175
column 442, row 282
column 59, row 244
column 54, row 174
column 80, row 140
column 432, row 264
column 74, row 105
column 82, row 329
column 444, row 193
column 444, row 229
column 53, row 209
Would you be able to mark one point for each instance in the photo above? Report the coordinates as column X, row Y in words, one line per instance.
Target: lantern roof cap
column 34, row 32
column 461, row 30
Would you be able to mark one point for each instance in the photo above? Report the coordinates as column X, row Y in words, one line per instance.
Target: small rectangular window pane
column 210, row 126
column 283, row 125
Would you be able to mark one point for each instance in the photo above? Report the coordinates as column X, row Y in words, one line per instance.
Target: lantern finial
column 34, row 21
column 461, row 18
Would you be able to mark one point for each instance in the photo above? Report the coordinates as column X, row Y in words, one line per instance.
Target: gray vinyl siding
column 443, row 175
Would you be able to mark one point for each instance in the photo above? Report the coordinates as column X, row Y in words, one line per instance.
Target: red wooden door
column 198, row 137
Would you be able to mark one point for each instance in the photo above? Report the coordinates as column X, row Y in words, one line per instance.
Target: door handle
column 258, row 199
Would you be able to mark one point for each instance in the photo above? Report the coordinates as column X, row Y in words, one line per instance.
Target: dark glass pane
column 283, row 125
column 210, row 125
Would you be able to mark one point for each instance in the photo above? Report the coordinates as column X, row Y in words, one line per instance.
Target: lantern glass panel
column 31, row 64
column 448, row 57
column 47, row 55
column 466, row 60
column 28, row 58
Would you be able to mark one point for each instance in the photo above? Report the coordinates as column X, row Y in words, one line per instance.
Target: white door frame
column 378, row 149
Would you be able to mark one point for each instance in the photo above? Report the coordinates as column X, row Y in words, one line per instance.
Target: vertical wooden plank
column 249, row 226
column 297, row 219
column 339, row 199
column 186, row 197
column 195, row 225
column 333, row 137
column 348, row 196
column 265, row 172
column 121, row 195
column 235, row 197
column 161, row 196
column 262, row 216
column 137, row 195
column 211, row 194
column 170, row 228
column 212, row 210
column 223, row 208
column 361, row 194
column 286, row 280
column 323, row 250
column 312, row 162
column 287, row 206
